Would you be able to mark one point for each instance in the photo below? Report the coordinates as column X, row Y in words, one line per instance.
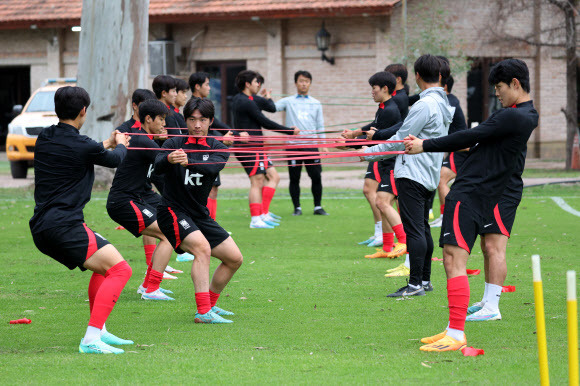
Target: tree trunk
column 112, row 60
column 571, row 75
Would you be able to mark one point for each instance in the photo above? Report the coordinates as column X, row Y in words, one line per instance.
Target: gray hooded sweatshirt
column 428, row 118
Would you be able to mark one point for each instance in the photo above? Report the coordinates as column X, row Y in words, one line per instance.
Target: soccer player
column 183, row 216
column 132, row 203
column 304, row 111
column 165, row 90
column 388, row 115
column 417, row 178
column 181, row 87
column 400, row 95
column 496, row 147
column 63, row 175
column 249, row 121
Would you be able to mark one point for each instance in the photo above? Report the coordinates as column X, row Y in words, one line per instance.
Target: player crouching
column 183, row 215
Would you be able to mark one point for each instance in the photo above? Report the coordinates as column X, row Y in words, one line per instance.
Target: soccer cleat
column 269, row 219
column 407, row 291
column 210, row 318
column 274, row 216
column 142, row 290
column 398, row 250
column 155, row 295
column 221, row 312
column 431, row 215
column 320, row 212
column 297, row 212
column 169, row 269
column 484, row 315
column 428, row 287
column 475, row 307
column 398, row 267
column 377, row 242
column 109, row 338
column 185, row 257
column 434, row 338
column 446, row 343
column 380, row 254
column 404, row 271
column 437, row 222
column 98, row 347
column 167, row 276
column 366, row 242
column 260, row 225
column 271, row 223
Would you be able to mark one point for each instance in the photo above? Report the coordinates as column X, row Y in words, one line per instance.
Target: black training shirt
column 64, row 174
column 175, row 122
column 458, row 123
column 402, row 100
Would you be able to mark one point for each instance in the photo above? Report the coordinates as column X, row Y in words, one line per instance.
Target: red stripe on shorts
column 376, row 172
column 452, row 163
column 92, row 247
column 457, row 230
column 175, row 228
column 139, row 216
column 497, row 216
column 392, row 175
column 256, row 164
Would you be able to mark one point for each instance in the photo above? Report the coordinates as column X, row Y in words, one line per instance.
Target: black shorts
column 217, row 181
column 70, row 245
column 177, row 225
column 313, row 164
column 454, row 160
column 373, row 172
column 134, row 215
column 387, row 182
column 254, row 163
column 460, row 226
column 502, row 221
column 152, row 199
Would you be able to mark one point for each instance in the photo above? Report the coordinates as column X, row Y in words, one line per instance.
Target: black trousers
column 314, row 170
column 414, row 200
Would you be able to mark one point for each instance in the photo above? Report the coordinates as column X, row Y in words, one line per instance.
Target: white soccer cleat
column 167, row 276
column 260, row 225
column 484, row 315
column 155, row 295
column 169, row 269
column 437, row 222
column 377, row 242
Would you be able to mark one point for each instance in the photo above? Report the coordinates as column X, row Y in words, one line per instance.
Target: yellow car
column 37, row 114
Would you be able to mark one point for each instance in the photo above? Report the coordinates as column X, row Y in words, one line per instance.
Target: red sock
column 400, row 233
column 256, row 209
column 441, row 208
column 155, row 278
column 147, row 277
column 108, row 294
column 149, row 249
column 203, row 302
column 212, row 206
column 94, row 285
column 213, row 297
column 458, row 296
column 388, row 239
column 267, row 195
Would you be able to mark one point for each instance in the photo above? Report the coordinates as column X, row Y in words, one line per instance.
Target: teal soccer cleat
column 111, row 339
column 98, row 347
column 221, row 312
column 210, row 318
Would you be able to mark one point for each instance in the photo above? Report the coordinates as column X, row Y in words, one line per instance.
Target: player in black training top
column 400, row 95
column 189, row 171
column 130, row 204
column 165, row 89
column 248, row 121
column 63, row 175
column 496, row 147
column 379, row 187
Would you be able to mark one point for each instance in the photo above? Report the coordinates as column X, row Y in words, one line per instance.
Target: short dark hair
column 428, row 67
column 305, row 74
column 141, row 95
column 445, row 70
column 382, row 79
column 181, row 85
column 508, row 69
column 153, row 108
column 204, row 105
column 450, row 82
column 162, row 83
column 399, row 70
column 260, row 78
column 197, row 78
column 69, row 101
column 245, row 76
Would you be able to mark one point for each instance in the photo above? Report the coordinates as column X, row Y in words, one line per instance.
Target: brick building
column 277, row 38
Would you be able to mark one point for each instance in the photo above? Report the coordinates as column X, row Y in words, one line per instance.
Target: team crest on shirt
column 148, row 213
column 205, row 157
column 184, row 224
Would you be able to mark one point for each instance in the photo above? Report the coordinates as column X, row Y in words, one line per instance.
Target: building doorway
column 15, row 90
column 481, row 99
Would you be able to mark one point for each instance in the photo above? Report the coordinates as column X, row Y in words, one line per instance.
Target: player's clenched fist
column 178, row 157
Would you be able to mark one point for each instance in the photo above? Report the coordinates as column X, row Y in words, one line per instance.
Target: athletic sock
column 458, row 297
column 213, row 297
column 108, row 294
column 441, row 209
column 455, row 334
column 378, row 230
column 407, row 261
column 412, row 286
column 400, row 233
column 485, row 292
column 212, row 207
column 255, row 210
column 267, row 196
column 425, row 283
column 104, row 329
column 203, row 302
column 92, row 334
column 388, row 240
column 155, row 278
column 94, row 285
column 149, row 249
column 147, row 276
column 317, row 207
column 493, row 295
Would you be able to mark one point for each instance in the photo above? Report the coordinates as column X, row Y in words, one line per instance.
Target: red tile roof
column 16, row 14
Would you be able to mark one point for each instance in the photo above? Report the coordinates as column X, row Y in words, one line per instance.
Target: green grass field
column 309, row 308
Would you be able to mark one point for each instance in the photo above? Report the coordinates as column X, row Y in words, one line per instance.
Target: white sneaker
column 141, row 290
column 437, row 222
column 475, row 307
column 155, row 295
column 169, row 269
column 484, row 315
column 260, row 224
column 168, row 276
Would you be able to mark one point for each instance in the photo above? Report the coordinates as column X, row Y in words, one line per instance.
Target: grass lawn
column 309, row 308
